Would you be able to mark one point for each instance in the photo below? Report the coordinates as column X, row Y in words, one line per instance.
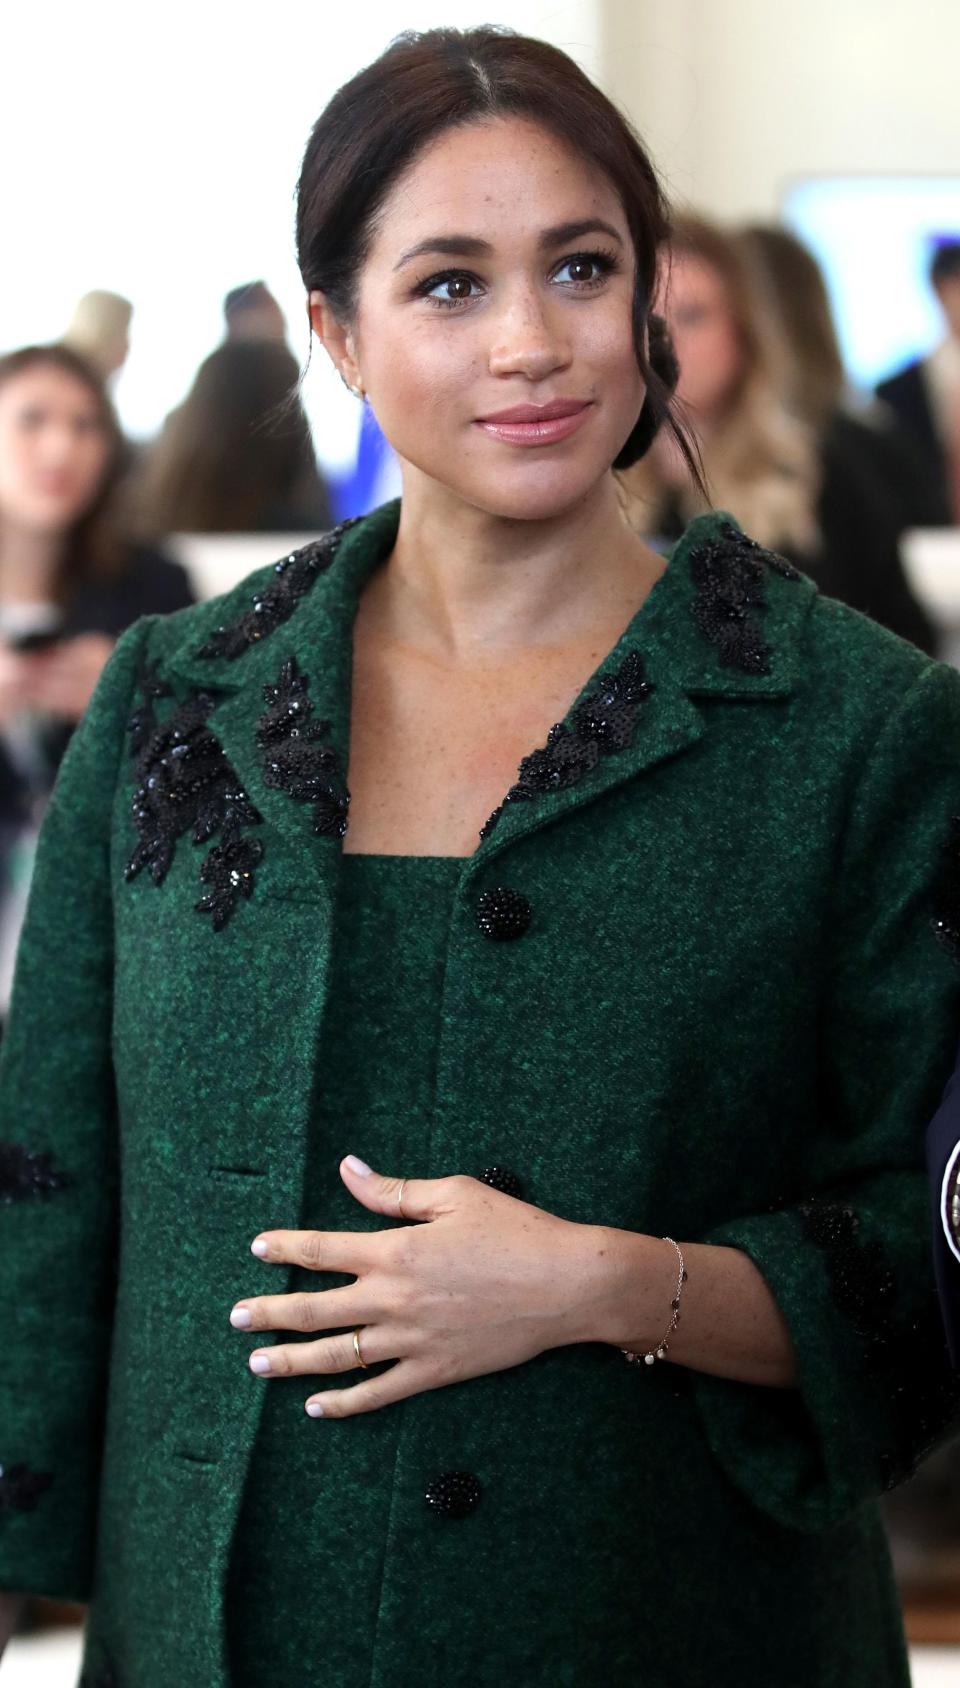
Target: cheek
column 19, row 455
column 89, row 464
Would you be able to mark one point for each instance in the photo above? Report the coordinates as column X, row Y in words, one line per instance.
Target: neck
column 29, row 563
column 463, row 584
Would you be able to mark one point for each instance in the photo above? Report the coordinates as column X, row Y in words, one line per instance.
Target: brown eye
column 458, row 287
column 581, row 269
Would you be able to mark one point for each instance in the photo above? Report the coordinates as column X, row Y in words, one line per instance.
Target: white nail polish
column 314, row 1409
column 357, row 1165
column 240, row 1318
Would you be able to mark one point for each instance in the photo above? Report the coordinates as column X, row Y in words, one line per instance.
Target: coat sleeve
column 849, row 1263
column 58, row 1167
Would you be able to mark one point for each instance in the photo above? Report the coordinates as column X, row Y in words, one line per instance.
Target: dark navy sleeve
column 943, row 1161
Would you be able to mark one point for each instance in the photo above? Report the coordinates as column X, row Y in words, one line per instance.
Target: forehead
column 689, row 275
column 503, row 179
column 44, row 384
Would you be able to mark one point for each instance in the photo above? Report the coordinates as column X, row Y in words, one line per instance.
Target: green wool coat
column 727, row 1020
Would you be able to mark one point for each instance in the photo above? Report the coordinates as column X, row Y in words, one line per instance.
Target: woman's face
column 54, row 449
column 500, row 280
column 704, row 334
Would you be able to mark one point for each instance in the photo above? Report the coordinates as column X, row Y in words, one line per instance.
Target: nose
column 528, row 339
column 54, row 443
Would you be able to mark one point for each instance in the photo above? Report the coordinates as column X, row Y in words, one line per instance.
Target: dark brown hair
column 423, row 84
column 234, row 454
column 93, row 549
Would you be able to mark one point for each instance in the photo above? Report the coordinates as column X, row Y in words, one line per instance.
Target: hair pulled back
column 425, row 83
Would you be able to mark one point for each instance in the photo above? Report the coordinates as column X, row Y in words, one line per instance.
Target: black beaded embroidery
column 454, row 1494
column 275, row 604
column 946, row 922
column 27, row 1172
column 908, row 1363
column 861, row 1282
column 501, row 1178
column 294, row 760
column 730, row 574
column 502, row 914
column 21, row 1488
column 186, row 784
column 601, row 724
column 143, row 721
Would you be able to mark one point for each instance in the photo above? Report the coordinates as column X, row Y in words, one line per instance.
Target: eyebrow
column 469, row 246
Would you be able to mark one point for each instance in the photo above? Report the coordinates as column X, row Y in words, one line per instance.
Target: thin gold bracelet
column 660, row 1351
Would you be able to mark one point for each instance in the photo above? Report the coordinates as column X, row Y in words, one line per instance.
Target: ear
column 337, row 340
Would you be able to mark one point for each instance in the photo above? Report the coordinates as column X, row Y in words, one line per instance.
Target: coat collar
column 677, row 635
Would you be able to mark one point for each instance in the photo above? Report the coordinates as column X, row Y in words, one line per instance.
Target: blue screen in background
column 874, row 237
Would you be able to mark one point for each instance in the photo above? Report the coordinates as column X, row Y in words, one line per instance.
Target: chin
column 53, row 515
column 522, row 490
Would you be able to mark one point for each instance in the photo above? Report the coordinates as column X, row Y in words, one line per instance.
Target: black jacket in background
column 907, row 395
column 152, row 585
column 873, row 488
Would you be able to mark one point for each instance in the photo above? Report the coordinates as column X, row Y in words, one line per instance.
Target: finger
column 420, row 1198
column 322, row 1251
column 331, row 1354
column 306, row 1310
column 407, row 1377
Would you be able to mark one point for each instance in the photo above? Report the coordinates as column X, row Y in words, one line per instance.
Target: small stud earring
column 358, row 392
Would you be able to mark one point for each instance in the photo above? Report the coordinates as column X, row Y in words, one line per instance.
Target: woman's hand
column 482, row 1283
column 19, row 675
column 66, row 675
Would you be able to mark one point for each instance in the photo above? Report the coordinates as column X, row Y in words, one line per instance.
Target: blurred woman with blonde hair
column 770, row 452
column 759, row 460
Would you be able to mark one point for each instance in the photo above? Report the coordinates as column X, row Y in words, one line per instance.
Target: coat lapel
column 668, row 641
column 298, row 865
column 694, row 638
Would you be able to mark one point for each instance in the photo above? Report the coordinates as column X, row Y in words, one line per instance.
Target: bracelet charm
column 660, row 1351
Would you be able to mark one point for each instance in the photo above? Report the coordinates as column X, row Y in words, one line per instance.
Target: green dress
column 302, row 1586
column 727, row 1014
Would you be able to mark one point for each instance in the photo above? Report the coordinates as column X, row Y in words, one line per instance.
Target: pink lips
column 536, row 424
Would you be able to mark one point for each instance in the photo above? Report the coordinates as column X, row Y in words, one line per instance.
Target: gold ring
column 399, row 1196
column 356, row 1347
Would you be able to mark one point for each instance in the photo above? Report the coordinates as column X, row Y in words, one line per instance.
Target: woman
column 438, row 1422
column 69, row 585
column 866, row 456
column 759, row 459
column 793, row 484
column 236, row 455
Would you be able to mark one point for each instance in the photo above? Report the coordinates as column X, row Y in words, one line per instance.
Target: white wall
column 154, row 151
column 736, row 97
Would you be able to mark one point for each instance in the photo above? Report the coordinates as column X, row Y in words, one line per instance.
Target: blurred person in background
column 69, row 585
column 816, row 388
column 236, row 456
column 251, row 312
column 766, row 464
column 100, row 331
column 758, row 459
column 925, row 394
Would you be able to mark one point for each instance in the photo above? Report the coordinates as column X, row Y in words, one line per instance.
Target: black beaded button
column 454, row 1493
column 503, row 914
column 501, row 1178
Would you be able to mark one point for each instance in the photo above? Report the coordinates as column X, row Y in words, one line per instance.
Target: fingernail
column 258, row 1247
column 259, row 1362
column 315, row 1409
column 357, row 1165
column 240, row 1318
